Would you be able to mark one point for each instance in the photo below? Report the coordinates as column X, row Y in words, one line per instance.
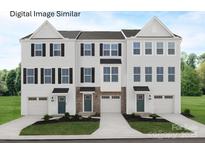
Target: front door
column 61, row 104
column 87, row 102
column 140, row 102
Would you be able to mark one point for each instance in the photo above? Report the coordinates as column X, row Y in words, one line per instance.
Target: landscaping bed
column 70, row 125
column 153, row 125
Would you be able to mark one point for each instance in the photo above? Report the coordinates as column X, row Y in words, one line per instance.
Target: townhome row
column 87, row 72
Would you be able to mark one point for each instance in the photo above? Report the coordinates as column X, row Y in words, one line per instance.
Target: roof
column 60, row 90
column 87, row 88
column 141, row 88
column 70, row 34
column 100, row 35
column 130, row 32
column 110, row 61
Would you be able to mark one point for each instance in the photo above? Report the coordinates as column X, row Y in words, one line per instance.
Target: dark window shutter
column 59, row 75
column 24, row 75
column 119, row 49
column 53, row 75
column 32, row 50
column 101, row 49
column 82, row 74
column 36, row 75
column 71, row 75
column 42, row 76
column 93, row 49
column 51, row 49
column 82, row 49
column 93, row 74
column 62, row 50
column 44, row 49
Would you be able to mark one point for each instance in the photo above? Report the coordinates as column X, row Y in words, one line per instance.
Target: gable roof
column 100, row 35
column 130, row 32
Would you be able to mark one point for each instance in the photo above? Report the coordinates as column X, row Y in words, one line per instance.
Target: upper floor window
column 110, row 49
column 160, row 48
column 171, row 74
column 30, row 76
column 110, row 74
column 48, row 76
column 56, row 49
column 171, row 48
column 106, row 49
column 148, row 48
column 64, row 75
column 137, row 72
column 38, row 49
column 87, row 74
column 114, row 49
column 148, row 74
column 87, row 49
column 136, row 48
column 160, row 74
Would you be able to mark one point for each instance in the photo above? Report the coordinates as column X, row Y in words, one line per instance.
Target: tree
column 190, row 82
column 201, row 72
column 18, row 79
column 192, row 60
column 201, row 58
column 3, row 87
column 10, row 82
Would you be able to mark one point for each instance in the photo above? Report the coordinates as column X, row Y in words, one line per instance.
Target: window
column 57, row 49
column 105, row 97
column 106, row 49
column 110, row 74
column 136, row 48
column 30, row 75
column 88, row 74
column 115, row 97
column 148, row 48
column 42, row 98
column 64, row 75
column 171, row 48
column 137, row 74
column 48, row 76
column 38, row 49
column 87, row 50
column 168, row 97
column 157, row 97
column 148, row 74
column 171, row 74
column 160, row 48
column 160, row 72
column 32, row 98
column 114, row 49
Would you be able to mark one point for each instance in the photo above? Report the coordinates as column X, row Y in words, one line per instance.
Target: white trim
column 133, row 48
column 151, row 48
column 91, row 102
column 163, row 48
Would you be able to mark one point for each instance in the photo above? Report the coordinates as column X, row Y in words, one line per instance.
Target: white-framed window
column 65, row 75
column 136, row 48
column 171, row 48
column 160, row 74
column 32, row 98
column 171, row 74
column 168, row 97
column 56, row 49
column 38, row 49
column 158, row 97
column 30, row 76
column 114, row 49
column 110, row 74
column 87, row 49
column 160, row 48
column 87, row 74
column 110, row 49
column 137, row 72
column 148, row 74
column 148, row 48
column 47, row 75
column 106, row 49
column 42, row 98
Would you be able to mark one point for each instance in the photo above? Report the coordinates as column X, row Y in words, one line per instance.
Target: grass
column 9, row 108
column 196, row 105
column 61, row 128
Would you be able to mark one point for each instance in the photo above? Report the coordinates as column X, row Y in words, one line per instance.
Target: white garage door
column 165, row 104
column 37, row 106
column 110, row 104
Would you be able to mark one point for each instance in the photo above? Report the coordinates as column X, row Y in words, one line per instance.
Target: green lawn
column 149, row 127
column 61, row 128
column 196, row 105
column 9, row 108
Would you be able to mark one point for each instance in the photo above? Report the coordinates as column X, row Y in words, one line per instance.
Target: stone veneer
column 96, row 99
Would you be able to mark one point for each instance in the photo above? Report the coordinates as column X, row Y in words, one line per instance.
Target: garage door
column 110, row 104
column 37, row 106
column 164, row 104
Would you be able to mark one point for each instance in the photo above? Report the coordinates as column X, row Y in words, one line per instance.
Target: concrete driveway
column 114, row 125
column 13, row 128
column 197, row 128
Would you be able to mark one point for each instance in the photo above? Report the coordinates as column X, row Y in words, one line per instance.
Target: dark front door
column 140, row 102
column 87, row 102
column 61, row 104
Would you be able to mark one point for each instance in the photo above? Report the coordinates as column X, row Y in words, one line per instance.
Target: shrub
column 154, row 116
column 187, row 113
column 67, row 116
column 47, row 117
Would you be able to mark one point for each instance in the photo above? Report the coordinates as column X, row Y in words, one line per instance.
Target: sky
column 189, row 25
